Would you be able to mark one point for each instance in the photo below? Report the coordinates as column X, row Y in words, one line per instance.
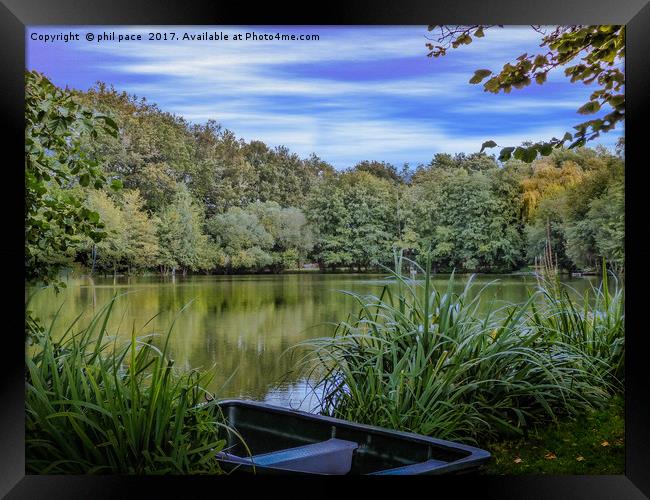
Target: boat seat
column 333, row 456
column 430, row 465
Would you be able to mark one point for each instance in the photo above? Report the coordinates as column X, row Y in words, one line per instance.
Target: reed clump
column 593, row 326
column 97, row 405
column 426, row 360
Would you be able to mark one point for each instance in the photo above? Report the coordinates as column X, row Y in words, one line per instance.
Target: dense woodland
column 195, row 198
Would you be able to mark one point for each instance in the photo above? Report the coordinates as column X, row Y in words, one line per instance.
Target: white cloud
column 518, row 106
column 252, row 88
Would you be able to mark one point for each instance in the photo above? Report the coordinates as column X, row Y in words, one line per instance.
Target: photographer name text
column 205, row 36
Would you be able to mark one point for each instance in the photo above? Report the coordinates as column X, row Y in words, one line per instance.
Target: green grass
column 591, row 444
column 95, row 405
column 424, row 360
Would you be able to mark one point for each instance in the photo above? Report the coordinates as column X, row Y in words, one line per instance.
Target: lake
column 241, row 326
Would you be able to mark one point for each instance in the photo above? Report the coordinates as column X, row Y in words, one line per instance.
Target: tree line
column 160, row 193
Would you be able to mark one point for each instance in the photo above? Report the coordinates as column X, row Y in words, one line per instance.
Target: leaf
column 540, row 61
column 580, row 142
column 479, row 75
column 540, row 78
column 579, row 458
column 550, row 456
column 93, row 217
column 519, row 153
column 479, row 32
column 506, row 153
column 517, row 460
column 617, row 100
column 546, row 149
column 464, row 39
column 488, row 144
column 492, row 85
column 520, row 84
column 116, row 184
column 84, row 180
column 530, row 154
column 590, row 107
column 109, row 121
column 604, row 443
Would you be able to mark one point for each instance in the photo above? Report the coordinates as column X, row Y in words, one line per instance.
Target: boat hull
column 267, row 429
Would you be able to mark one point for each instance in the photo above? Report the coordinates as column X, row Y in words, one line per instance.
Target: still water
column 241, row 327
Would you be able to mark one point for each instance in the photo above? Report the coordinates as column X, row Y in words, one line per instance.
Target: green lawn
column 593, row 444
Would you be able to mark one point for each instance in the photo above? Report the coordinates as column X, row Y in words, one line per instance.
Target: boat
column 273, row 440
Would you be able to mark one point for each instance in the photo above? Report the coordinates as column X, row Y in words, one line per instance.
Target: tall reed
column 95, row 405
column 593, row 326
column 427, row 360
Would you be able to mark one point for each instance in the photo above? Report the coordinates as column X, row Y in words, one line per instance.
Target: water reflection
column 241, row 326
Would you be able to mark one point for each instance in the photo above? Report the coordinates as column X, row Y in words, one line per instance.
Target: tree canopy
column 196, row 198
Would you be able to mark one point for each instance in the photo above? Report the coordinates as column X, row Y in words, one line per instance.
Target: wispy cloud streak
column 357, row 93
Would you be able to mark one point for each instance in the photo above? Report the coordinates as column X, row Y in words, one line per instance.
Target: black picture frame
column 15, row 15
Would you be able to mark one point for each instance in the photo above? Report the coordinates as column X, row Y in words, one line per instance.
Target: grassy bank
column 592, row 444
column 95, row 405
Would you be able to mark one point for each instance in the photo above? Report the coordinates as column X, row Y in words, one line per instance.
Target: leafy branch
column 596, row 52
column 56, row 220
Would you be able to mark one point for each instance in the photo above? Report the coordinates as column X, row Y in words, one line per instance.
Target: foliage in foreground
column 56, row 164
column 424, row 360
column 96, row 406
column 600, row 50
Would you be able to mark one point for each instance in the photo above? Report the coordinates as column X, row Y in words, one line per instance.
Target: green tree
column 243, row 241
column 288, row 228
column 474, row 162
column 355, row 221
column 581, row 230
column 224, row 177
column 139, row 232
column 111, row 251
column 379, row 169
column 577, row 198
column 131, row 242
column 606, row 217
column 470, row 220
column 182, row 242
column 330, row 219
column 548, row 222
column 154, row 150
column 57, row 222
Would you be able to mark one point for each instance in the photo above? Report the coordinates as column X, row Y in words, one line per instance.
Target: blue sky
column 358, row 93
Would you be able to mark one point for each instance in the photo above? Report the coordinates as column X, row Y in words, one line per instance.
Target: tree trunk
column 94, row 253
